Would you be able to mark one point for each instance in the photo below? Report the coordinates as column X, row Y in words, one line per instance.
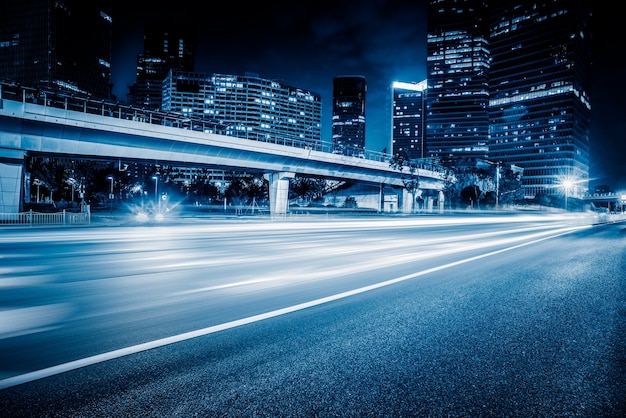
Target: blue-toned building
column 60, row 45
column 457, row 67
column 247, row 106
column 509, row 81
column 408, row 116
column 539, row 104
column 348, row 127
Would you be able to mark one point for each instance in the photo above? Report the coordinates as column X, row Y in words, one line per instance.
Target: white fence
column 38, row 218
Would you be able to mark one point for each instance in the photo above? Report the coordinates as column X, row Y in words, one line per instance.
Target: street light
column 497, row 164
column 567, row 185
column 497, row 184
column 156, row 183
column 72, row 183
column 111, row 196
column 38, row 183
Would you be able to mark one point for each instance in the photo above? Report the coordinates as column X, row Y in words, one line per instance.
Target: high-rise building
column 247, row 106
column 348, row 128
column 165, row 47
column 539, row 92
column 57, row 44
column 458, row 74
column 408, row 119
column 509, row 80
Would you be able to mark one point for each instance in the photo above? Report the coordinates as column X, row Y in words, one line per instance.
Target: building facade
column 457, row 68
column 58, row 45
column 540, row 111
column 408, row 127
column 508, row 81
column 247, row 106
column 165, row 47
column 348, row 123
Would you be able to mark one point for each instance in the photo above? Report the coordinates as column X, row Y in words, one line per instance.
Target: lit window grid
column 250, row 107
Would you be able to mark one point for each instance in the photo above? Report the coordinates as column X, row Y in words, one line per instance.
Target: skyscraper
column 61, row 45
column 509, row 80
column 539, row 92
column 348, row 127
column 165, row 47
column 458, row 74
column 408, row 118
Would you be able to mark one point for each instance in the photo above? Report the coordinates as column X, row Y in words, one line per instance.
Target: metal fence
column 38, row 218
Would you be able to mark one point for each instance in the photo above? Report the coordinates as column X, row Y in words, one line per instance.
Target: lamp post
column 72, row 183
column 81, row 194
column 156, row 188
column 567, row 185
column 497, row 184
column 111, row 196
column 497, row 164
column 38, row 183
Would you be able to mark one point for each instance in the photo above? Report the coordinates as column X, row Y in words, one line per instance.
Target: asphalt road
column 430, row 316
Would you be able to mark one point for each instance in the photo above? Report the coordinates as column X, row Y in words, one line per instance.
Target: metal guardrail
column 86, row 104
column 39, row 218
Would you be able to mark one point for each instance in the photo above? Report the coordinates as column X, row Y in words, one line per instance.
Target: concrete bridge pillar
column 279, row 191
column 11, row 174
column 407, row 201
column 441, row 200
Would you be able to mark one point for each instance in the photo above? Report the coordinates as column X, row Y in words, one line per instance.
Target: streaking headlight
column 141, row 217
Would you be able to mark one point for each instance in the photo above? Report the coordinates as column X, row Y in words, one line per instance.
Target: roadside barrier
column 38, row 218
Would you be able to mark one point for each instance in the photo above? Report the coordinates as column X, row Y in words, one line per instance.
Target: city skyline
column 305, row 47
column 309, row 46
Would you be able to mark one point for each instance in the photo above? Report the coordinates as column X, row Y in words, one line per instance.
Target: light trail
column 88, row 361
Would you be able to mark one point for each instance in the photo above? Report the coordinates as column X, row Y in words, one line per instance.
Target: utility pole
column 497, row 183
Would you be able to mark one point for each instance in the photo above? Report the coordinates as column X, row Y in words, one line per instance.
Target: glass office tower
column 408, row 118
column 348, row 128
column 247, row 106
column 458, row 74
column 539, row 84
column 165, row 47
column 61, row 45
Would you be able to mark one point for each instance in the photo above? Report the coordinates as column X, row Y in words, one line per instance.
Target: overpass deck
column 47, row 124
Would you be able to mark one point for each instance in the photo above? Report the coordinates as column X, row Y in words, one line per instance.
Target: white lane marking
column 100, row 358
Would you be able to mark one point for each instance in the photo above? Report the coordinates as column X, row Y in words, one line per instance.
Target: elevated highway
column 92, row 130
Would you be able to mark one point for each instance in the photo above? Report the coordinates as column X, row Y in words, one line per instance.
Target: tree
column 471, row 195
column 246, row 189
column 257, row 188
column 306, row 188
column 511, row 190
column 350, row 203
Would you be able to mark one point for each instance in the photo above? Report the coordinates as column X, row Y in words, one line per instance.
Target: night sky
column 307, row 43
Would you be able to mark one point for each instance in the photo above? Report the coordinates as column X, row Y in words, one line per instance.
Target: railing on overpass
column 613, row 202
column 86, row 104
column 39, row 218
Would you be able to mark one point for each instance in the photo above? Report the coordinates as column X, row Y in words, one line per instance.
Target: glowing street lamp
column 111, row 195
column 567, row 185
column 73, row 184
column 38, row 183
column 156, row 188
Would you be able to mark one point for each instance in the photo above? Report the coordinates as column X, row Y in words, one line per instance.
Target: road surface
column 417, row 316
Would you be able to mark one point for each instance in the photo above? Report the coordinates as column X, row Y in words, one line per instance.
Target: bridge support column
column 11, row 174
column 441, row 200
column 407, row 201
column 279, row 191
